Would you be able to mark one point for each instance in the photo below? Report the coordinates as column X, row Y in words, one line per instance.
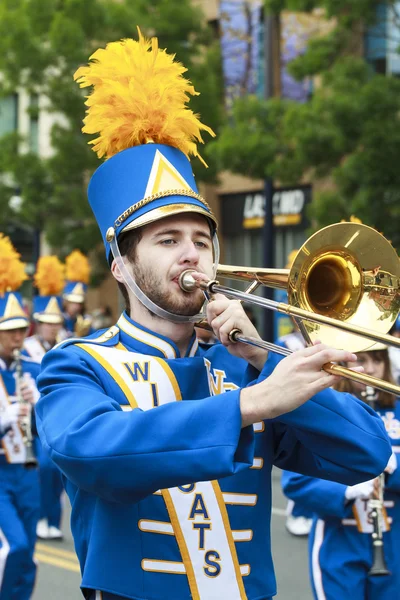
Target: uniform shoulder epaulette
column 108, row 337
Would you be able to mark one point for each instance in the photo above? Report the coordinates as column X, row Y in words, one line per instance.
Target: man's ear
column 115, row 270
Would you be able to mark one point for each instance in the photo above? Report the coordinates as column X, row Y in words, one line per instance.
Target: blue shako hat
column 75, row 291
column 77, row 273
column 12, row 275
column 48, row 309
column 12, row 313
column 146, row 132
column 49, row 280
column 141, row 185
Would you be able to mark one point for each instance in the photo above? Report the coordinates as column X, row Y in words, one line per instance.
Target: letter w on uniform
column 139, row 372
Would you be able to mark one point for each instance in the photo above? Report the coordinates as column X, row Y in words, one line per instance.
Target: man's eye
column 168, row 242
column 201, row 244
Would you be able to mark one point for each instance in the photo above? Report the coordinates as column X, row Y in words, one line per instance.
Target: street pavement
column 59, row 577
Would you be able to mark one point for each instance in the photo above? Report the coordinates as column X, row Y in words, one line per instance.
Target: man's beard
column 187, row 305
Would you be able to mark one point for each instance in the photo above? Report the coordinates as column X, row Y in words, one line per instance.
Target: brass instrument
column 25, row 423
column 375, row 510
column 343, row 277
column 82, row 326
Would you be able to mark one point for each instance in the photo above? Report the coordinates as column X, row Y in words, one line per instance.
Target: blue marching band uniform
column 48, row 318
column 340, row 546
column 19, row 486
column 171, row 497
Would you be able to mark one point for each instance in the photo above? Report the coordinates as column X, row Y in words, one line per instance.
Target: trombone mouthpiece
column 186, row 281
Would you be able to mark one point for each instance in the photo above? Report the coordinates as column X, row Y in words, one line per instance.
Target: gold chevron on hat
column 165, row 180
column 53, row 307
column 14, row 316
column 164, row 176
column 13, row 309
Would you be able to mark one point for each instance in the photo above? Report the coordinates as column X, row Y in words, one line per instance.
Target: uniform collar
column 139, row 338
column 4, row 366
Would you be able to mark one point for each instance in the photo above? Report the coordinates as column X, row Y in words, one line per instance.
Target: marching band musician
column 19, row 486
column 298, row 517
column 48, row 317
column 165, row 448
column 340, row 548
column 77, row 271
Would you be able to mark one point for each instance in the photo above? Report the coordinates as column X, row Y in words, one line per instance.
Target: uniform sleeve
column 333, row 436
column 392, row 481
column 323, row 498
column 125, row 456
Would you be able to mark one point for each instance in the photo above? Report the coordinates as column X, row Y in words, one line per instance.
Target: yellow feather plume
column 77, row 267
column 12, row 270
column 352, row 219
column 50, row 276
column 139, row 96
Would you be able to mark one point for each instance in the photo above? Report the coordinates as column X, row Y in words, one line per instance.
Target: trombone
column 343, row 277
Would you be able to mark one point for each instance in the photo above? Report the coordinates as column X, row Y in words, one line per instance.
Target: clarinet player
column 19, row 478
column 347, row 561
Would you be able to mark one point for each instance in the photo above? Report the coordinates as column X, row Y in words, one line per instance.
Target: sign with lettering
column 247, row 211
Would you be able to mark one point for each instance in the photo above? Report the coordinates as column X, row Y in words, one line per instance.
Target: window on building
column 34, row 123
column 8, row 114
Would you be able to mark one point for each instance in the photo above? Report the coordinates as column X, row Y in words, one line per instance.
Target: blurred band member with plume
column 19, row 486
column 48, row 317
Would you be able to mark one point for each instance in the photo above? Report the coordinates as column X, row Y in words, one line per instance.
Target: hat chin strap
column 145, row 300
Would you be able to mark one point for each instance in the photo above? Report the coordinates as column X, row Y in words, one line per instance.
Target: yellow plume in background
column 50, row 276
column 77, row 267
column 139, row 96
column 352, row 219
column 12, row 270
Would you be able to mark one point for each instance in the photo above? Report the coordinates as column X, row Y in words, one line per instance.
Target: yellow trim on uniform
column 171, row 376
column 357, row 518
column 136, row 337
column 181, row 544
column 162, row 523
column 114, row 374
column 169, row 372
column 167, row 562
column 260, row 465
column 229, row 536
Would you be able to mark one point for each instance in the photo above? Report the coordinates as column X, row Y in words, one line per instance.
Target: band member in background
column 77, row 271
column 298, row 517
column 341, row 550
column 394, row 353
column 48, row 317
column 166, row 451
column 19, row 486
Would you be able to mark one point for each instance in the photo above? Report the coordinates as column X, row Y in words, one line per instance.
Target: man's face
column 49, row 331
column 11, row 340
column 73, row 308
column 166, row 249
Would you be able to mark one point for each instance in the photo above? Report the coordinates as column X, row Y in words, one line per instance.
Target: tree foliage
column 42, row 42
column 346, row 138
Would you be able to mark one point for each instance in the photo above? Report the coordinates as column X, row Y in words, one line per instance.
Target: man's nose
column 190, row 253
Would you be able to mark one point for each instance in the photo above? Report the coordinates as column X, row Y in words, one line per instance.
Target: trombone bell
column 348, row 272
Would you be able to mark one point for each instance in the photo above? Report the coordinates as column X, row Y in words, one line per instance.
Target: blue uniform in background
column 294, row 341
column 51, row 485
column 19, row 509
column 340, row 556
column 170, row 497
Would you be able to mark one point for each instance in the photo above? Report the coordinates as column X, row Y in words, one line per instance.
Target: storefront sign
column 288, row 209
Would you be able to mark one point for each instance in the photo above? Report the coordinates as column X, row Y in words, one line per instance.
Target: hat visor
column 16, row 323
column 167, row 211
column 51, row 319
column 376, row 346
column 74, row 298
